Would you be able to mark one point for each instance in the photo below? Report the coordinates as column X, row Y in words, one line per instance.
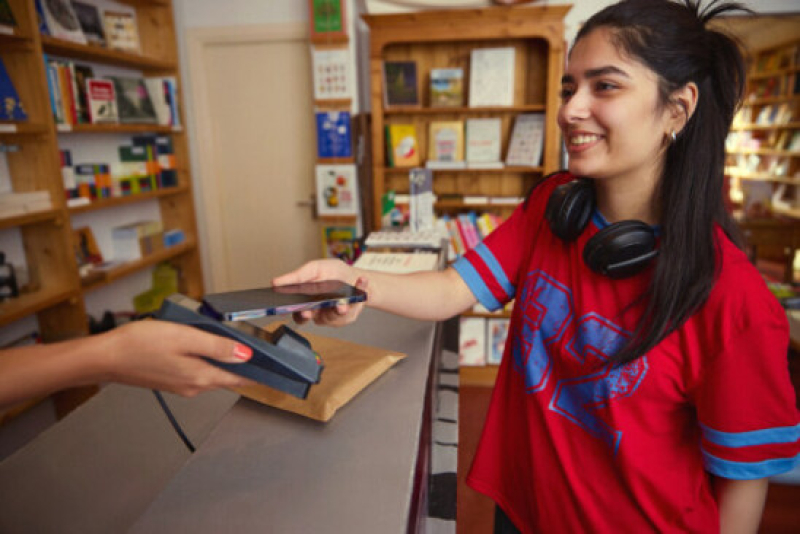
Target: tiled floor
column 476, row 512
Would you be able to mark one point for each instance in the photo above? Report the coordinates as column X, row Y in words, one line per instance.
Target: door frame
column 199, row 42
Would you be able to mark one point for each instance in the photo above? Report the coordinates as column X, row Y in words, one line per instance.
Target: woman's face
column 613, row 126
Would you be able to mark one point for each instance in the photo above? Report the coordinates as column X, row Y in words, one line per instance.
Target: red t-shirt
column 572, row 444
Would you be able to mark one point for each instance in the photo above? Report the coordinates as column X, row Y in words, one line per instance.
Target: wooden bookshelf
column 435, row 39
column 763, row 143
column 55, row 294
column 446, row 38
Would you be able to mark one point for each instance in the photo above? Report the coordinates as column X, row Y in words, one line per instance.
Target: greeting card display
column 337, row 190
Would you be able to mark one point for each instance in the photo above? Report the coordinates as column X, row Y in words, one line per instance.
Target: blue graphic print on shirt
column 547, row 316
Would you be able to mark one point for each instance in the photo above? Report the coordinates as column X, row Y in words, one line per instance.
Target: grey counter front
column 115, row 464
column 270, row 471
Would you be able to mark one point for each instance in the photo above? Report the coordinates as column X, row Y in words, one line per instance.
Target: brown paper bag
column 349, row 368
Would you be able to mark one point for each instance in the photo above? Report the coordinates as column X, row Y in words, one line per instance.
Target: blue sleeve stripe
column 476, row 284
column 785, row 434
column 494, row 266
column 748, row 470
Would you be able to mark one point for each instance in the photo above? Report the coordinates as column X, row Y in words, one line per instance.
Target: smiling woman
column 645, row 370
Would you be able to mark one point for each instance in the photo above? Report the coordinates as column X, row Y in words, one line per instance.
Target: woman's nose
column 574, row 108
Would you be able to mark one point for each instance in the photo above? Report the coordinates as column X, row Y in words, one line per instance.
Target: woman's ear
column 683, row 104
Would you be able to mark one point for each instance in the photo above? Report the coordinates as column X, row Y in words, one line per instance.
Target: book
column 135, row 240
column 337, row 190
column 80, row 74
column 331, row 73
column 527, row 140
column 400, row 83
column 159, row 89
column 101, row 98
column 90, row 22
column 340, row 242
column 447, row 87
column 421, row 217
column 12, row 108
column 402, row 145
column 491, row 81
column 6, row 15
column 134, row 105
column 483, row 143
column 333, row 134
column 496, row 336
column 472, row 341
column 446, row 143
column 87, row 253
column 398, row 262
column 121, row 31
column 61, row 20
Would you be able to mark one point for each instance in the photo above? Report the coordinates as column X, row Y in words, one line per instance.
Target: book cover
column 61, row 20
column 87, row 252
column 54, row 90
column 527, row 140
column 402, row 140
column 483, row 142
column 491, row 81
column 421, row 216
column 80, row 74
column 102, row 101
column 333, row 134
column 121, row 31
column 340, row 242
column 447, row 87
column 472, row 341
column 446, row 142
column 337, row 190
column 6, row 15
column 90, row 22
column 496, row 335
column 40, row 18
column 400, row 83
column 12, row 109
column 331, row 73
column 159, row 91
column 327, row 18
column 133, row 101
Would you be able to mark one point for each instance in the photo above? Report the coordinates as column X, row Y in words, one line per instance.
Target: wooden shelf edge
column 470, row 170
column 97, row 54
column 30, row 303
column 28, row 218
column 131, row 267
column 463, row 110
column 116, row 128
column 112, row 202
column 477, row 376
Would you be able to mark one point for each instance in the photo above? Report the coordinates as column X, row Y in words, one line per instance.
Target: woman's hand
column 169, row 356
column 328, row 269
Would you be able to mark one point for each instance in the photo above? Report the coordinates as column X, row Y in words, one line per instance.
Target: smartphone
column 279, row 300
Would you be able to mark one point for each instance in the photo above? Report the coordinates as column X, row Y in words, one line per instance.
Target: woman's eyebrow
column 594, row 73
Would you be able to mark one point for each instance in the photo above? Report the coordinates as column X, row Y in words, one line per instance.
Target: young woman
column 644, row 387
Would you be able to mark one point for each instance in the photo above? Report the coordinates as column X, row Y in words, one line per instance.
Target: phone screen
column 279, row 300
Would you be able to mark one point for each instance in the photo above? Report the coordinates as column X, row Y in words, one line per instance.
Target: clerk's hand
column 328, row 269
column 169, row 357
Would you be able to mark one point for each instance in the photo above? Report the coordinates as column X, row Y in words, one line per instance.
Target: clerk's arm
column 741, row 504
column 426, row 295
column 152, row 354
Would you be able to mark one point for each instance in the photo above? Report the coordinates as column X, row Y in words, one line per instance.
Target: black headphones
column 618, row 251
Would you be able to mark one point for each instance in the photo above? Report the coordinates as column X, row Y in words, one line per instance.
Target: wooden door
column 252, row 104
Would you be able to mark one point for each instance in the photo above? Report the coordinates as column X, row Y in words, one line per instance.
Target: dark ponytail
column 673, row 40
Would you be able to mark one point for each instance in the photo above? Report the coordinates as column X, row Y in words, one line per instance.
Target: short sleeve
column 747, row 406
column 491, row 269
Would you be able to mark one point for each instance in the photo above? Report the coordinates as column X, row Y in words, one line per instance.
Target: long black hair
column 674, row 41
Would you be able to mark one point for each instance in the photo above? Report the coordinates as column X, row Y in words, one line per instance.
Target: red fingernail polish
column 242, row 352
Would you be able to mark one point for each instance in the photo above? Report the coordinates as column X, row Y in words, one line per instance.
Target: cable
column 173, row 421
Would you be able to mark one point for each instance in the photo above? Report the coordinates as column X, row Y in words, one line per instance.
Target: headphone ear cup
column 621, row 250
column 569, row 208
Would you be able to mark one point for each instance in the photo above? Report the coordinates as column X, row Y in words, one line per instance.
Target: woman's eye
column 604, row 86
column 565, row 92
